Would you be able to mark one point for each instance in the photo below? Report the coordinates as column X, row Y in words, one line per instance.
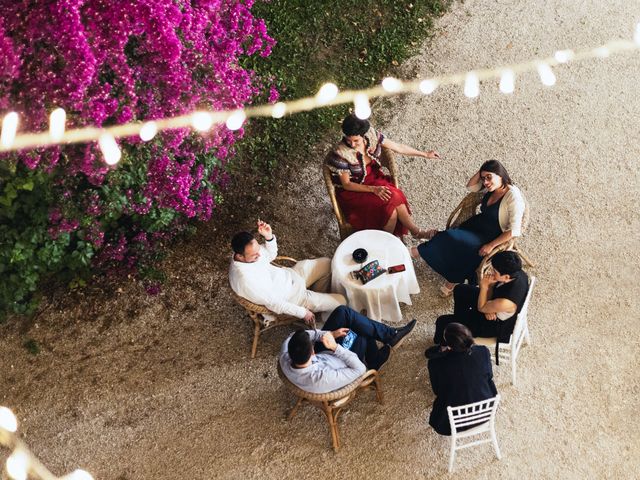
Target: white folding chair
column 509, row 351
column 481, row 417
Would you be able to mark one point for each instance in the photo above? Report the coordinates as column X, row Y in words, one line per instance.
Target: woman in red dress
column 367, row 196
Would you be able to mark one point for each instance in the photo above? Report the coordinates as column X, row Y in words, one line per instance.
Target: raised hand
column 264, row 229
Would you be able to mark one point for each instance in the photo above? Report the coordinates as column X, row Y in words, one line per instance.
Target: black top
column 486, row 223
column 458, row 378
column 516, row 291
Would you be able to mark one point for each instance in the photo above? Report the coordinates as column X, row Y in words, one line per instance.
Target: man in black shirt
column 490, row 310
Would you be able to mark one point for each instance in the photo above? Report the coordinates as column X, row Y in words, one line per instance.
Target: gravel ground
column 136, row 387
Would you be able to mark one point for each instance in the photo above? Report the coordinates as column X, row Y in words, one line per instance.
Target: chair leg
column 294, row 410
column 452, row 453
column 527, row 337
column 333, row 427
column 379, row 394
column 256, row 337
column 494, row 440
column 524, row 257
column 513, row 368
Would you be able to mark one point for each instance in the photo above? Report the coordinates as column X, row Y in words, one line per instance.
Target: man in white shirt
column 296, row 291
column 321, row 361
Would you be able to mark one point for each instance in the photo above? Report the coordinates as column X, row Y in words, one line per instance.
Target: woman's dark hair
column 494, row 166
column 352, row 125
column 300, row 347
column 239, row 241
column 506, row 263
column 457, row 337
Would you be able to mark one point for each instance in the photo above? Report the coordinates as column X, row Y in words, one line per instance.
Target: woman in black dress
column 460, row 373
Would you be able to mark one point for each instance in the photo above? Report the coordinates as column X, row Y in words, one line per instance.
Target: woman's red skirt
column 364, row 210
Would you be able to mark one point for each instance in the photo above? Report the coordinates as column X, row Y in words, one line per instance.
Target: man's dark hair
column 457, row 337
column 239, row 241
column 352, row 125
column 300, row 347
column 494, row 166
column 506, row 263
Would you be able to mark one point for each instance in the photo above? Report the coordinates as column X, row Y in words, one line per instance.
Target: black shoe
column 401, row 334
column 383, row 356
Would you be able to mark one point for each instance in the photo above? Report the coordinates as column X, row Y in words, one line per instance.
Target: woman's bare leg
column 390, row 226
column 405, row 218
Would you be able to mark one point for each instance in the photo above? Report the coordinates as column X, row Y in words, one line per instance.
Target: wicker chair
column 332, row 403
column 466, row 209
column 257, row 313
column 387, row 159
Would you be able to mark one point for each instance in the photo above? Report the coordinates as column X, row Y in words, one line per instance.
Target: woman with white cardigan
column 456, row 253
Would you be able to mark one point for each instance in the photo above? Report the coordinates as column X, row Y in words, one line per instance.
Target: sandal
column 425, row 234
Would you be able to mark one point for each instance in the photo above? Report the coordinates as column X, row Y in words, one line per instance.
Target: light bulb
column 428, row 86
column 602, row 52
column 110, row 149
column 507, row 81
column 8, row 420
column 278, row 110
column 18, row 465
column 391, row 84
column 57, row 121
column 79, row 474
column 563, row 56
column 202, row 121
column 547, row 77
column 636, row 35
column 327, row 92
column 236, row 119
column 9, row 129
column 148, row 131
column 361, row 106
column 471, row 85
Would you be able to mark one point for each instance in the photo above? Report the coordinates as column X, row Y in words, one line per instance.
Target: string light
column 8, row 420
column 602, row 52
column 327, row 92
column 547, row 77
column 9, row 129
column 78, row 475
column 507, row 81
column 236, row 119
column 392, row 85
column 57, row 121
column 279, row 109
column 148, row 131
column 428, row 86
column 18, row 465
column 110, row 149
column 361, row 106
column 202, row 121
column 564, row 56
column 471, row 85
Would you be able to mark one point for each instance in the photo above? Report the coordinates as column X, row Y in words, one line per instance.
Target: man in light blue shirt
column 317, row 360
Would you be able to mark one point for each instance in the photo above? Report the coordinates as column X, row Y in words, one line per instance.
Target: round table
column 379, row 297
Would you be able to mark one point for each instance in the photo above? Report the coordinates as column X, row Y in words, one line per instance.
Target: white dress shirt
column 281, row 290
column 328, row 371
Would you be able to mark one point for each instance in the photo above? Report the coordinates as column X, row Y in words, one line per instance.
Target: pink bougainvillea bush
column 62, row 209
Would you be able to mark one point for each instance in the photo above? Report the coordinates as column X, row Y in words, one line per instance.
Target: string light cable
column 328, row 95
column 21, row 463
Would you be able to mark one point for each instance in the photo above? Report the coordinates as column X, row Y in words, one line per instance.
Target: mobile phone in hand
column 396, row 269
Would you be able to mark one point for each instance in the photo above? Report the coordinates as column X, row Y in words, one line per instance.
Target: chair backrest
column 343, row 393
column 465, row 209
column 521, row 320
column 472, row 414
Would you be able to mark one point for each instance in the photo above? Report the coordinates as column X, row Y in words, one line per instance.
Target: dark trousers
column 465, row 311
column 368, row 332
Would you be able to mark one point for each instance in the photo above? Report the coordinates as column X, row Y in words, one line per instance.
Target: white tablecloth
column 380, row 297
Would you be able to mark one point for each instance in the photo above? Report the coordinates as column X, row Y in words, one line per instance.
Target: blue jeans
column 368, row 332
